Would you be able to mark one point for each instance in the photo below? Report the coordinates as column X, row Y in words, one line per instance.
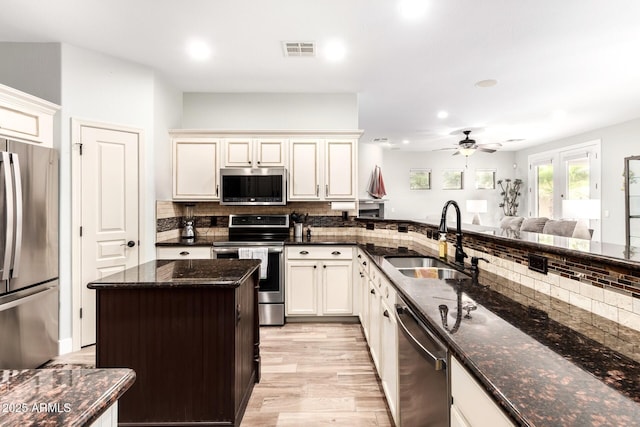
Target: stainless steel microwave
column 253, row 186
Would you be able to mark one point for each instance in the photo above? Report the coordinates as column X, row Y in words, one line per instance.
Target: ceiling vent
column 299, row 48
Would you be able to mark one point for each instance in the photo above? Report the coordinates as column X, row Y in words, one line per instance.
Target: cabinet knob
column 304, row 252
column 317, row 190
column 359, row 256
column 335, row 253
column 315, row 266
column 386, row 313
column 258, row 161
column 184, row 253
column 372, row 291
column 364, row 262
column 217, row 189
column 324, row 266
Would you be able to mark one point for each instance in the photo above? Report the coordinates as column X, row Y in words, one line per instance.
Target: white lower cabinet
column 374, row 324
column 471, row 405
column 389, row 357
column 301, row 288
column 184, row 252
column 109, row 417
column 319, row 281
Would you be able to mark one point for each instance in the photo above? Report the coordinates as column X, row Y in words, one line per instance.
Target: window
column 569, row 173
column 543, row 188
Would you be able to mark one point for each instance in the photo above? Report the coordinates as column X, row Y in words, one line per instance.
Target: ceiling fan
column 468, row 146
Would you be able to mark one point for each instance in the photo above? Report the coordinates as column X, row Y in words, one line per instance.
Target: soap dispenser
column 442, row 246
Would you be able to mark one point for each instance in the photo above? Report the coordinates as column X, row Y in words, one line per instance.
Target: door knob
column 131, row 243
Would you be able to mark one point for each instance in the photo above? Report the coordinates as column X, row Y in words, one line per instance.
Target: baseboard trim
column 65, row 346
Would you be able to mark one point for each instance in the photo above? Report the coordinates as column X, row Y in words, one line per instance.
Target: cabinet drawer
column 320, row 252
column 184, row 252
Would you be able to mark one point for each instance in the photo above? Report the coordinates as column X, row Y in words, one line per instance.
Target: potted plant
column 510, row 193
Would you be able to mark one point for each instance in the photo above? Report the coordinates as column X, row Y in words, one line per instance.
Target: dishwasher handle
column 439, row 363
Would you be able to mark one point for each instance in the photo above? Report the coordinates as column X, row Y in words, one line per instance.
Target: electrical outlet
column 538, row 263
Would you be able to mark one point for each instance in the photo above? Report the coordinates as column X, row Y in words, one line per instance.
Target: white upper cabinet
column 25, row 117
column 340, row 169
column 195, row 168
column 321, row 165
column 255, row 152
column 304, row 171
column 323, row 169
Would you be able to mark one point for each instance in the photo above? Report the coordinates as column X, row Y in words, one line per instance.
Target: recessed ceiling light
column 443, row 114
column 198, row 50
column 405, row 141
column 412, row 10
column 486, row 83
column 335, row 50
column 559, row 114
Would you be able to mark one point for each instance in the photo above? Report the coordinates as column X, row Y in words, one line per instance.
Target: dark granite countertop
column 59, row 397
column 541, row 372
column 181, row 273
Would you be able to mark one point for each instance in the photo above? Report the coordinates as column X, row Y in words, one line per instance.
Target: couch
column 556, row 227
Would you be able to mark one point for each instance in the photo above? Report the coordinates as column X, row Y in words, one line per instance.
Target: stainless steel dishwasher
column 422, row 365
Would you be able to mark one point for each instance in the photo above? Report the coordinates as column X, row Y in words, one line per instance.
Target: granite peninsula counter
column 189, row 328
column 60, row 397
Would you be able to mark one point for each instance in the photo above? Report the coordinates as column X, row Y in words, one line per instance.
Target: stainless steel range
column 261, row 236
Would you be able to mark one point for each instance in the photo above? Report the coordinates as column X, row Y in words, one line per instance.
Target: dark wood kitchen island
column 189, row 329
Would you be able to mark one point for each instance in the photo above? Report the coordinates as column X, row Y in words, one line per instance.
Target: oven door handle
column 225, row 250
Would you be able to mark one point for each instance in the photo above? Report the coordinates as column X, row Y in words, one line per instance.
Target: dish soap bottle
column 442, row 246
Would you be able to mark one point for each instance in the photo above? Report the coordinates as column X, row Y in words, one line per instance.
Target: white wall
column 246, row 111
column 101, row 88
column 618, row 141
column 369, row 155
column 420, row 204
column 167, row 115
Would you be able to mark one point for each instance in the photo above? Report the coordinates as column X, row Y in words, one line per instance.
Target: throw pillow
column 511, row 222
column 560, row 227
column 535, row 225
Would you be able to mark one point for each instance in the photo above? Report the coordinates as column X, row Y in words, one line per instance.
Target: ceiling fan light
column 467, row 151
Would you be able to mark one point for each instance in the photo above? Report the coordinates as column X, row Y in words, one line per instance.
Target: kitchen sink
column 416, row 262
column 432, row 273
column 425, row 268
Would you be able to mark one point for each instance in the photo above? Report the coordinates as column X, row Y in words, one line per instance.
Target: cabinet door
column 364, row 300
column 472, row 401
column 389, row 358
column 238, row 152
column 374, row 324
column 270, row 152
column 304, row 170
column 301, row 288
column 195, row 169
column 340, row 176
column 337, row 288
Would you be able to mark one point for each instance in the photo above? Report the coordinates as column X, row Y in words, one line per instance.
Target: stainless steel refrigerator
column 28, row 255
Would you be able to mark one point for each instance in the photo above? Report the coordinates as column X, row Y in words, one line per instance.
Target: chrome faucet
column 460, row 255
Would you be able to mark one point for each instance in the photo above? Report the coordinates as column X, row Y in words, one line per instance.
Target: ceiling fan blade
column 492, row 145
column 486, row 150
column 445, row 149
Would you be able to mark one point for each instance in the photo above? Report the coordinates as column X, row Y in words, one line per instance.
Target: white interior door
column 110, row 217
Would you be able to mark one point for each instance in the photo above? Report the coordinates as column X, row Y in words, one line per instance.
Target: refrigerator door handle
column 8, row 225
column 17, row 183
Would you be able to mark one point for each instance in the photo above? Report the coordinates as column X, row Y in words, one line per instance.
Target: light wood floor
column 313, row 374
column 316, row 374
